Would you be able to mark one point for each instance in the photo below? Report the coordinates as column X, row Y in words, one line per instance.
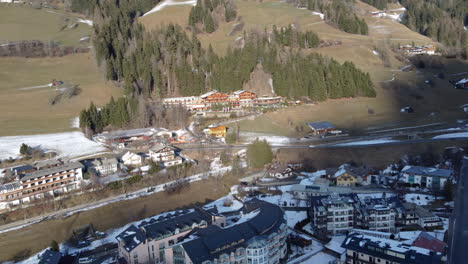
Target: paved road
column 458, row 229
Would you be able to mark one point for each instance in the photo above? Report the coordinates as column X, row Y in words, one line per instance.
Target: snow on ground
column 419, row 199
column 36, row 87
column 311, row 176
column 86, row 21
column 220, row 204
column 376, row 53
column 322, row 16
column 309, row 228
column 293, row 217
column 320, row 258
column 452, row 135
column 363, row 196
column 166, row 3
column 301, row 254
column 368, row 142
column 67, row 144
column 270, row 138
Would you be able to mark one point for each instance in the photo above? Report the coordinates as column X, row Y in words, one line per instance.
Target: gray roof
column 47, row 163
column 161, row 226
column 53, row 170
column 427, row 171
column 210, row 244
column 321, row 125
column 158, row 147
column 130, row 133
column 106, row 161
column 7, row 187
column 50, row 257
column 20, row 169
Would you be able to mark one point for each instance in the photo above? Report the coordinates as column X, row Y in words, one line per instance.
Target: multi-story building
column 425, row 177
column 214, row 96
column 146, row 243
column 60, row 178
column 201, row 236
column 346, row 178
column 415, row 214
column 339, row 213
column 380, row 214
column 267, row 101
column 333, row 214
column 165, row 155
column 258, row 237
column 105, row 166
column 362, row 248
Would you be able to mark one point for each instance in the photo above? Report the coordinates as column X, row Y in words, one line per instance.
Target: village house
column 165, row 155
column 427, row 49
column 105, row 166
column 321, row 127
column 425, row 177
column 35, row 185
column 218, row 131
column 379, row 214
column 280, row 171
column 132, row 159
column 346, row 178
column 362, row 248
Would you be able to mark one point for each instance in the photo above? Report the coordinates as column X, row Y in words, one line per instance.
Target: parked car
column 407, row 109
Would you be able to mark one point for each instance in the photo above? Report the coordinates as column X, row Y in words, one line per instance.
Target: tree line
column 293, row 38
column 338, row 13
column 167, row 62
column 205, row 12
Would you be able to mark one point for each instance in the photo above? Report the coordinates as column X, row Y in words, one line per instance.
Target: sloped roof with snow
column 386, row 249
column 321, row 125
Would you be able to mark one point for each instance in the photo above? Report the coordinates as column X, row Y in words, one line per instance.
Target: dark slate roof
column 50, row 257
column 368, row 245
column 179, row 219
column 427, row 171
column 391, row 202
column 132, row 237
column 210, row 245
column 49, row 171
column 321, row 125
column 20, row 169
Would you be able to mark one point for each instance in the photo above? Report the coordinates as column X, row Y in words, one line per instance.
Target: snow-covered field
column 166, row 3
column 67, row 144
column 322, row 258
column 270, row 138
column 419, row 199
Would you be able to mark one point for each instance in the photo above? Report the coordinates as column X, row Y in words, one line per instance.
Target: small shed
column 321, row 127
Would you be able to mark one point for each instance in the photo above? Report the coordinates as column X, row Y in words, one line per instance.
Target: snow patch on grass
column 167, row 3
column 68, row 144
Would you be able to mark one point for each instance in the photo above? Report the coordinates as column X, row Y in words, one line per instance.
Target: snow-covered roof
column 335, row 244
column 462, row 81
column 203, row 96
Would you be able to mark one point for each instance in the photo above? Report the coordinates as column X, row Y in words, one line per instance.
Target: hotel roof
column 53, row 170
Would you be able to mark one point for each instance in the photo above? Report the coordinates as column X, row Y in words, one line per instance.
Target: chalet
column 214, row 97
column 132, row 159
column 280, row 171
column 415, row 214
column 321, row 127
column 218, row 131
column 105, row 166
column 165, row 155
column 244, row 95
column 346, row 178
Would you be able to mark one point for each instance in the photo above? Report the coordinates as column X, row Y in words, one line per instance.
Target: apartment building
column 379, row 214
column 339, row 213
column 426, row 177
column 362, row 248
column 333, row 214
column 62, row 177
column 201, row 236
column 146, row 243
